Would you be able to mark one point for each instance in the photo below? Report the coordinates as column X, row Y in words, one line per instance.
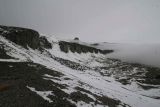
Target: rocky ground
column 58, row 73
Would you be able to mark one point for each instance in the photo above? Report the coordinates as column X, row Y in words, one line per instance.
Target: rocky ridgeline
column 24, row 37
column 31, row 38
column 79, row 48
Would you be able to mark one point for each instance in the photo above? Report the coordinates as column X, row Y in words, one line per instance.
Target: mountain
column 42, row 71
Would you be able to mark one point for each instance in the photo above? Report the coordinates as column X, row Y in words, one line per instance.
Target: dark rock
column 24, row 37
column 157, row 77
column 3, row 54
column 4, row 87
column 64, row 47
column 14, row 81
column 108, row 101
column 76, row 38
column 44, row 43
column 95, row 44
column 79, row 48
column 78, row 96
column 72, row 65
column 21, row 36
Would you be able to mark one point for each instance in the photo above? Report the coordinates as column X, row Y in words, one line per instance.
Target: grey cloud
column 136, row 21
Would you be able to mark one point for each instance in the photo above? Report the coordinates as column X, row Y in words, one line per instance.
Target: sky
column 116, row 21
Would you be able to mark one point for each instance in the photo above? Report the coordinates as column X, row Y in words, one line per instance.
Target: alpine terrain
column 42, row 71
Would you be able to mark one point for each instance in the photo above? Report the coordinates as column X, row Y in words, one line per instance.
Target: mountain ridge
column 48, row 77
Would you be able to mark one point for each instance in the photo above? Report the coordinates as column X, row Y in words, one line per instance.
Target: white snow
column 50, row 76
column 43, row 94
column 10, row 66
column 92, row 80
column 10, row 60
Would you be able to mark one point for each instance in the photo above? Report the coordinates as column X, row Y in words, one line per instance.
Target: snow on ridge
column 50, row 38
column 84, row 43
column 76, row 57
column 101, row 86
column 10, row 60
column 98, row 83
column 14, row 50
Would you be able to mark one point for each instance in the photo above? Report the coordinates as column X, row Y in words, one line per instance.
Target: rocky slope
column 40, row 71
column 24, row 37
column 80, row 48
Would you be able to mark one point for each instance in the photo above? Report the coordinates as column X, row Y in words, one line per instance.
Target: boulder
column 76, row 38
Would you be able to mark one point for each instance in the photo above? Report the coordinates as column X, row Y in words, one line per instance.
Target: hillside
column 41, row 71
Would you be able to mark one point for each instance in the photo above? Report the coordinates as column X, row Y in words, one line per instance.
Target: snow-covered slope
column 87, row 79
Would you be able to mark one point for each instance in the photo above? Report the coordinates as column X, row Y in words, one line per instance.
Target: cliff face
column 24, row 37
column 31, row 38
column 79, row 48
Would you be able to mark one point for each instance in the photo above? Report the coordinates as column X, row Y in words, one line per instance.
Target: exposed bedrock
column 79, row 48
column 24, row 37
column 31, row 38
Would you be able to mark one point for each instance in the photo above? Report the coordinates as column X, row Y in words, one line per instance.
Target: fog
column 148, row 54
column 118, row 21
column 133, row 26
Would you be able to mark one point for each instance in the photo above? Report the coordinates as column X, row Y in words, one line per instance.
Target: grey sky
column 133, row 21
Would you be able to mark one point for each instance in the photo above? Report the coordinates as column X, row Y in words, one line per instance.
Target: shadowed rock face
column 30, row 38
column 24, row 37
column 44, row 43
column 3, row 54
column 79, row 48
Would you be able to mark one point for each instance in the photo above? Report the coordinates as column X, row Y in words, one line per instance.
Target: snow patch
column 43, row 94
column 10, row 60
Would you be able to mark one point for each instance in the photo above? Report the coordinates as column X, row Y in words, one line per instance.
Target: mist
column 147, row 54
column 117, row 21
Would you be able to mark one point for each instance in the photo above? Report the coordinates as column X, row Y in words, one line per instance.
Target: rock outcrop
column 31, row 38
column 44, row 43
column 3, row 54
column 76, row 38
column 24, row 37
column 79, row 48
